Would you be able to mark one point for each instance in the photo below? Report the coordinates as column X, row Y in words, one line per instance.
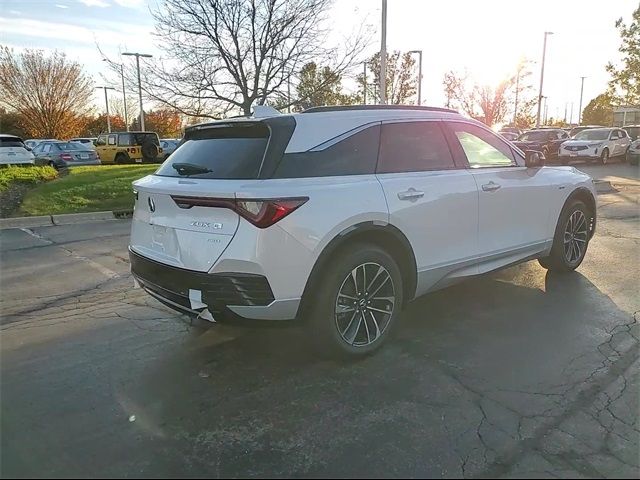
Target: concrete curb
column 70, row 218
column 64, row 219
column 25, row 222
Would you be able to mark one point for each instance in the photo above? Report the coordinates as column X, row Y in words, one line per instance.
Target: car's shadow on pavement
column 502, row 352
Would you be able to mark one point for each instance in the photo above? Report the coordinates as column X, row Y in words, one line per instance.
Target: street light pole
column 419, row 52
column 580, row 107
column 383, row 56
column 138, row 55
column 106, row 102
column 124, row 94
column 544, row 53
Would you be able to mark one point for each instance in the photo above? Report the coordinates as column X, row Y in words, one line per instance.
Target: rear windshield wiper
column 190, row 169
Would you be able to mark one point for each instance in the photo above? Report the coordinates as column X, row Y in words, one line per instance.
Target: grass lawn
column 86, row 189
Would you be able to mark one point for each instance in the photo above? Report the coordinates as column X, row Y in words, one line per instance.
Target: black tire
column 121, row 159
column 562, row 257
column 53, row 164
column 150, row 152
column 331, row 331
column 604, row 157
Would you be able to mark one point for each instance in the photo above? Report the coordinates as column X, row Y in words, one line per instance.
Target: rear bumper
column 80, row 164
column 247, row 295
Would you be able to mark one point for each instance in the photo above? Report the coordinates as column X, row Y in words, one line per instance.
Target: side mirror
column 533, row 159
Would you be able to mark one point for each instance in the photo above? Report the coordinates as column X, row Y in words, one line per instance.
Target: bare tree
column 227, row 55
column 401, row 82
column 51, row 94
column 486, row 103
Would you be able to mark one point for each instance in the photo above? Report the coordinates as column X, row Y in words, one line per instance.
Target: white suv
column 339, row 216
column 601, row 144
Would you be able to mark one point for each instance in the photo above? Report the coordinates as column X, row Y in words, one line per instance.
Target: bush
column 25, row 175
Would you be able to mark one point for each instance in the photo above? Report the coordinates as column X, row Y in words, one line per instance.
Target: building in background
column 628, row 115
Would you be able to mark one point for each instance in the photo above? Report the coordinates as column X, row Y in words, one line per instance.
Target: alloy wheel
column 575, row 237
column 365, row 304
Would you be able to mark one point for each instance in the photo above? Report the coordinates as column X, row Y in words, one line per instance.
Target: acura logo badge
column 152, row 205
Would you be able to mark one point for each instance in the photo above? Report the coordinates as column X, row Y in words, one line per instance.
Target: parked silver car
column 65, row 154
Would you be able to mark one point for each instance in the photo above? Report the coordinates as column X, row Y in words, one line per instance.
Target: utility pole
column 138, row 55
column 124, row 94
column 419, row 52
column 124, row 98
column 545, row 109
column 106, row 103
column 566, row 107
column 515, row 107
column 544, row 54
column 364, row 82
column 571, row 115
column 383, row 56
column 580, row 107
column 289, row 94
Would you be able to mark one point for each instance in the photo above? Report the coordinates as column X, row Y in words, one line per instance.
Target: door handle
column 491, row 186
column 411, row 194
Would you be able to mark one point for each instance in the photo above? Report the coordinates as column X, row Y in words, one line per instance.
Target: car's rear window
column 70, row 146
column 228, row 152
column 11, row 142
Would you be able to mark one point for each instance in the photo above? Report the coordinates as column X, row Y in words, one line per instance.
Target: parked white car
column 14, row 152
column 340, row 216
column 600, row 144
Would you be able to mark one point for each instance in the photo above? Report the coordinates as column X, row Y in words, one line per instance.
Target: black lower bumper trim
column 218, row 290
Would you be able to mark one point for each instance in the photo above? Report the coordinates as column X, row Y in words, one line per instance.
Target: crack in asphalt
column 584, row 398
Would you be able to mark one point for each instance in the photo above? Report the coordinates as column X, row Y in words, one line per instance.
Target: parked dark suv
column 547, row 141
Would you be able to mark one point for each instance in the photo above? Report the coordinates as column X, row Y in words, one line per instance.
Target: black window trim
column 456, row 163
column 457, row 149
column 343, row 136
column 334, row 141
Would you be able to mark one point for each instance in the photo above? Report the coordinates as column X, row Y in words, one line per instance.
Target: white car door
column 433, row 201
column 624, row 141
column 514, row 201
column 614, row 144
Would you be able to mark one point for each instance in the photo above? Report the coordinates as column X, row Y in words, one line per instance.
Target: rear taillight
column 260, row 212
column 66, row 156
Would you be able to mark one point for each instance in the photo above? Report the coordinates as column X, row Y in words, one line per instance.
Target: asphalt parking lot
column 516, row 374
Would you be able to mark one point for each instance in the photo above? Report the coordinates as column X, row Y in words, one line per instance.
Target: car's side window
column 112, row 139
column 413, row 147
column 354, row 155
column 622, row 134
column 124, row 140
column 481, row 147
column 102, row 140
column 46, row 148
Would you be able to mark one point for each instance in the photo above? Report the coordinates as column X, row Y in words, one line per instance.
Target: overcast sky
column 486, row 37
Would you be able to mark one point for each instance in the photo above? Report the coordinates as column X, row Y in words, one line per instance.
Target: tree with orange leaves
column 51, row 94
